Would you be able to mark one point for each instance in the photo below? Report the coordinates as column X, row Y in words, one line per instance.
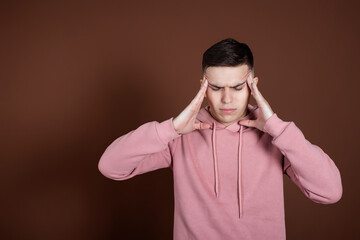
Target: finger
column 202, row 126
column 260, row 100
column 256, row 92
column 249, row 82
column 255, row 88
column 262, row 103
column 248, row 123
column 195, row 104
column 202, row 89
column 200, row 95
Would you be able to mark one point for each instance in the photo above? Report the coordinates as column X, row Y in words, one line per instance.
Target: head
column 227, row 65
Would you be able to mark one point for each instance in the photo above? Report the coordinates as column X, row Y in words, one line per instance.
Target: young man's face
column 228, row 93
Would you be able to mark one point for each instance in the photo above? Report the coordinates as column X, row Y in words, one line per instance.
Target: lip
column 227, row 110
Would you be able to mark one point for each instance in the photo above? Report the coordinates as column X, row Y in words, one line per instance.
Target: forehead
column 225, row 75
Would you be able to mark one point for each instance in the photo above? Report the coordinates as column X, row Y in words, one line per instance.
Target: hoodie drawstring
column 239, row 167
column 215, row 161
column 239, row 172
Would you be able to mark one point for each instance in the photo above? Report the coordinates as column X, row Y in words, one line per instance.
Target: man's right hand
column 185, row 122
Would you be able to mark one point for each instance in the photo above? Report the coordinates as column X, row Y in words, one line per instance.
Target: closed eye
column 215, row 88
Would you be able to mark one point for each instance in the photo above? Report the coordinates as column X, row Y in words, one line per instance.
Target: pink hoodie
column 228, row 181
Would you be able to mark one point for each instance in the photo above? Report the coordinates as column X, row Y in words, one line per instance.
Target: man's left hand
column 265, row 110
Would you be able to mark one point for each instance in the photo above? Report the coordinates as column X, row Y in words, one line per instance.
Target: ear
column 256, row 80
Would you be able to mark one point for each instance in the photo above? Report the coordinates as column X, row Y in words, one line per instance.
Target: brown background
column 76, row 75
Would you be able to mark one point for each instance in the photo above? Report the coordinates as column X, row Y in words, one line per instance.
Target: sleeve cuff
column 166, row 131
column 274, row 126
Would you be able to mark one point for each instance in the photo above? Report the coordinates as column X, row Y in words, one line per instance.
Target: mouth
column 227, row 110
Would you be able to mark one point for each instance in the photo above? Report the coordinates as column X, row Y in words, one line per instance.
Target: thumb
column 201, row 125
column 247, row 123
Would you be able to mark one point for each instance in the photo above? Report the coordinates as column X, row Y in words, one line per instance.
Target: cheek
column 243, row 94
column 211, row 96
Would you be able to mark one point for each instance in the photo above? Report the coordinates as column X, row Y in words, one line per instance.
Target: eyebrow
column 237, row 85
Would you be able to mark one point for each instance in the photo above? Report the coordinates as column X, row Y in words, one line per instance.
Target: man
column 228, row 158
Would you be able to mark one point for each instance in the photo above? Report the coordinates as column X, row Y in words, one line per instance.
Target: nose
column 226, row 96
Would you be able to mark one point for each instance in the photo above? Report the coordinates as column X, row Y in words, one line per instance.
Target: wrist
column 174, row 124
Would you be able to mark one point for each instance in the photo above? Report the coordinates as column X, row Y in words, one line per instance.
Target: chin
column 228, row 120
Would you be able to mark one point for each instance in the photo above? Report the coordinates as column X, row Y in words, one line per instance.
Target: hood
column 205, row 116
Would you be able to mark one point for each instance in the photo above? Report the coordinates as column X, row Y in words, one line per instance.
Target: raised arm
column 142, row 150
column 147, row 148
column 308, row 166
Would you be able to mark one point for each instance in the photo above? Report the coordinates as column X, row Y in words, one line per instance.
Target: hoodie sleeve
column 306, row 164
column 139, row 151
